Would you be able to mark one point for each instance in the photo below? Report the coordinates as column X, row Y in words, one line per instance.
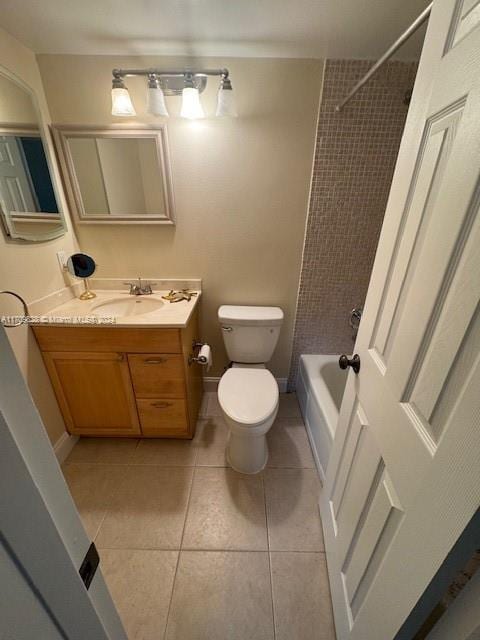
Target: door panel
column 16, row 193
column 404, row 480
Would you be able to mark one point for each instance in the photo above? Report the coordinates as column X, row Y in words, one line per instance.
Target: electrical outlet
column 62, row 259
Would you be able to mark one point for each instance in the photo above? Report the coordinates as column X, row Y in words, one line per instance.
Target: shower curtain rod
column 387, row 55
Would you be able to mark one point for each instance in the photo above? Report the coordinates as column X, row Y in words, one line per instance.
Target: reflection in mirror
column 116, row 175
column 27, row 198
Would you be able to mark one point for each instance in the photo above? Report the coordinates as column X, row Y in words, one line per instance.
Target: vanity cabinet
column 120, row 381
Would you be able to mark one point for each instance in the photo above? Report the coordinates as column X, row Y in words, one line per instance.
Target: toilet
column 248, row 392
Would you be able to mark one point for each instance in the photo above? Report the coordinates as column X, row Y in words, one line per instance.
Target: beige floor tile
column 288, row 444
column 148, row 509
column 204, row 406
column 92, row 487
column 220, row 596
column 211, row 442
column 301, row 597
column 106, row 450
column 226, row 511
column 292, row 510
column 141, row 584
column 165, row 452
column 289, row 407
column 213, row 407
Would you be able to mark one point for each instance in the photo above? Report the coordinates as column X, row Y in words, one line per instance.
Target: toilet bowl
column 248, row 397
column 247, row 391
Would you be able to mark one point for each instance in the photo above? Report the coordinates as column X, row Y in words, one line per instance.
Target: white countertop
column 84, row 313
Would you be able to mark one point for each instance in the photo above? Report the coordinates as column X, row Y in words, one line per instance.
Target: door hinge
column 89, row 565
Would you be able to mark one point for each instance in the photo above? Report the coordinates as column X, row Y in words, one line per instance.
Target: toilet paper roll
column 205, row 356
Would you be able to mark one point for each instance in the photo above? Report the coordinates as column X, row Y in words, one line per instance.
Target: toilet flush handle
column 227, row 328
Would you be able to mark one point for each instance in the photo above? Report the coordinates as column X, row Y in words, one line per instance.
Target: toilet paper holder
column 196, row 346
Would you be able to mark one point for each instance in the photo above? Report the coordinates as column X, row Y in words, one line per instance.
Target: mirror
column 116, row 175
column 28, row 199
column 82, row 266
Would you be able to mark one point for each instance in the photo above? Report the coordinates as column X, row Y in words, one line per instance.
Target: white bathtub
column 320, row 387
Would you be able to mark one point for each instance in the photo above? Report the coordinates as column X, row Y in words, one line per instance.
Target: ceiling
column 228, row 28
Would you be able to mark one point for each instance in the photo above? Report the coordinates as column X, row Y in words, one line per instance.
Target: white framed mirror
column 116, row 175
column 29, row 203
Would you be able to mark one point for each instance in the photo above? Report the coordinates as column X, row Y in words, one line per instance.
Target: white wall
column 32, row 269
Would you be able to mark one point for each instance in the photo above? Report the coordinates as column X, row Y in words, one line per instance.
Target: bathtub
column 320, row 387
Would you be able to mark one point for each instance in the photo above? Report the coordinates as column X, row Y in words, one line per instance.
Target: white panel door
column 16, row 193
column 404, row 475
column 42, row 540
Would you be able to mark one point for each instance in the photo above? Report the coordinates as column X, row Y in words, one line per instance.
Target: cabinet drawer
column 108, row 339
column 157, row 375
column 163, row 417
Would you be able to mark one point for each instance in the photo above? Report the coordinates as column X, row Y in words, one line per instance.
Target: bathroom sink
column 125, row 307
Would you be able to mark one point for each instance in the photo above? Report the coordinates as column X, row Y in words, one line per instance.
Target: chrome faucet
column 140, row 289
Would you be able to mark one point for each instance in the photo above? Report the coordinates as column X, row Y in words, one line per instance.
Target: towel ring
column 25, row 310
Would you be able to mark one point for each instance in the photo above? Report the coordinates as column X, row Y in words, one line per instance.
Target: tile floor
column 192, row 550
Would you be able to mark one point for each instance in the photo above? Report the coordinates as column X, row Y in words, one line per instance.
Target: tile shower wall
column 355, row 157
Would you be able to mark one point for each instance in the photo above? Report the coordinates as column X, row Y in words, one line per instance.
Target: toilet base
column 247, row 454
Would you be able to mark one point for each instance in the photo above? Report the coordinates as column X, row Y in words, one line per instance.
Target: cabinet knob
column 120, row 357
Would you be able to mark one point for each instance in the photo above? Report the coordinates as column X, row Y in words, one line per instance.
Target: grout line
column 179, row 553
column 269, row 557
column 202, row 550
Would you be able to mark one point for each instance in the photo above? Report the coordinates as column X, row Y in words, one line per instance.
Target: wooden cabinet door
column 94, row 392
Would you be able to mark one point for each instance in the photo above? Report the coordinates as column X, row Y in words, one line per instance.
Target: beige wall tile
column 220, row 595
column 301, row 597
column 141, row 584
column 226, row 511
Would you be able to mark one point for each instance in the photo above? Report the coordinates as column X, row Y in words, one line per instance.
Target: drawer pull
column 155, row 360
column 161, row 405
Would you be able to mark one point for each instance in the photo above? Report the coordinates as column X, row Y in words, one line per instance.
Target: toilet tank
column 250, row 333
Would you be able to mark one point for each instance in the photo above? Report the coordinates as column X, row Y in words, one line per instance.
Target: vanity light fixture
column 191, row 105
column 155, row 97
column 226, row 100
column 188, row 83
column 121, row 102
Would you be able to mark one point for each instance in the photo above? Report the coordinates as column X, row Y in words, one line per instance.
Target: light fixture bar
column 172, row 81
column 123, row 73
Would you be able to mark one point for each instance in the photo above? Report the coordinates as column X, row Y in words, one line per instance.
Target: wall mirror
column 28, row 197
column 116, row 175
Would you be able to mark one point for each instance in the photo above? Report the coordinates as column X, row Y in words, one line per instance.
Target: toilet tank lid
column 245, row 315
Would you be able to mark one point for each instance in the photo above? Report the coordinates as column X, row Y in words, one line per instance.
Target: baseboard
column 64, row 445
column 211, row 383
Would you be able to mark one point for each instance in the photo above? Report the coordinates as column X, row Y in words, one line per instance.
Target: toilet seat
column 248, row 396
